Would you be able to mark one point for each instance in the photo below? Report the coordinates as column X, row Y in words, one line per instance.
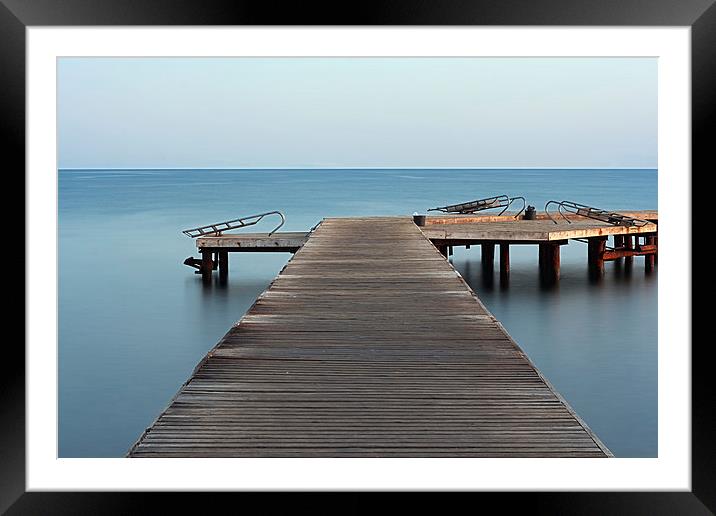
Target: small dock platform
column 289, row 242
column 529, row 231
column 486, row 231
column 368, row 344
column 489, row 231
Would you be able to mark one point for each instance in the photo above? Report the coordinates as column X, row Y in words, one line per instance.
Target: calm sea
column 134, row 321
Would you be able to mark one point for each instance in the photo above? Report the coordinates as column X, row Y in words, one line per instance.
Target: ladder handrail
column 609, row 217
column 498, row 201
column 233, row 224
column 513, row 199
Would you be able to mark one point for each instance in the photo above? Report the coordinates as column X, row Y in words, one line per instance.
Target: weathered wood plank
column 367, row 344
column 528, row 231
column 650, row 215
column 287, row 241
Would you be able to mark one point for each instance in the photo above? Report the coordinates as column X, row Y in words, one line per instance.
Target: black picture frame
column 17, row 15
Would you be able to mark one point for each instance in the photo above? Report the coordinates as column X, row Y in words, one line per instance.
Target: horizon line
column 360, row 168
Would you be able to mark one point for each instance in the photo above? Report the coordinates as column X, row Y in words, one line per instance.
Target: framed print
column 333, row 180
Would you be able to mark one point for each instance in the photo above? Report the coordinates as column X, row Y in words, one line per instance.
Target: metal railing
column 216, row 229
column 488, row 203
column 610, row 217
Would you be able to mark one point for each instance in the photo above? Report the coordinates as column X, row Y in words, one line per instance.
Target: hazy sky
column 357, row 112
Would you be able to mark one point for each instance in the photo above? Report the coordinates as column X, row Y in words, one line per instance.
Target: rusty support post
column 618, row 245
column 207, row 265
column 540, row 261
column 488, row 258
column 628, row 245
column 504, row 265
column 649, row 258
column 223, row 264
column 504, row 259
column 549, row 263
column 596, row 248
column 555, row 262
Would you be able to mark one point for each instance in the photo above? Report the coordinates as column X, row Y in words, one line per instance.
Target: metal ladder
column 499, row 201
column 216, row 229
column 610, row 217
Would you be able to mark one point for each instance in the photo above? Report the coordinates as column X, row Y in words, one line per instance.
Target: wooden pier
column 486, row 231
column 367, row 344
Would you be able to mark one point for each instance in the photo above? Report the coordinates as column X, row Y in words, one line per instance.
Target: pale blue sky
column 357, row 112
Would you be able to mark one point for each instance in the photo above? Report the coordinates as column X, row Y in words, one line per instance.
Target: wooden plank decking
column 498, row 228
column 452, row 218
column 531, row 230
column 246, row 242
column 368, row 344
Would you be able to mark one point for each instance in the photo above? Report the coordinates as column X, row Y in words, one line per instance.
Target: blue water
column 134, row 321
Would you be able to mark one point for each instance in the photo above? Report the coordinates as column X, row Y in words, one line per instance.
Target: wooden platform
column 256, row 242
column 356, row 350
column 443, row 229
column 529, row 231
column 486, row 216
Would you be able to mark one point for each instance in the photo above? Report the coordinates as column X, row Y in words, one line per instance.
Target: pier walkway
column 358, row 350
column 486, row 231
